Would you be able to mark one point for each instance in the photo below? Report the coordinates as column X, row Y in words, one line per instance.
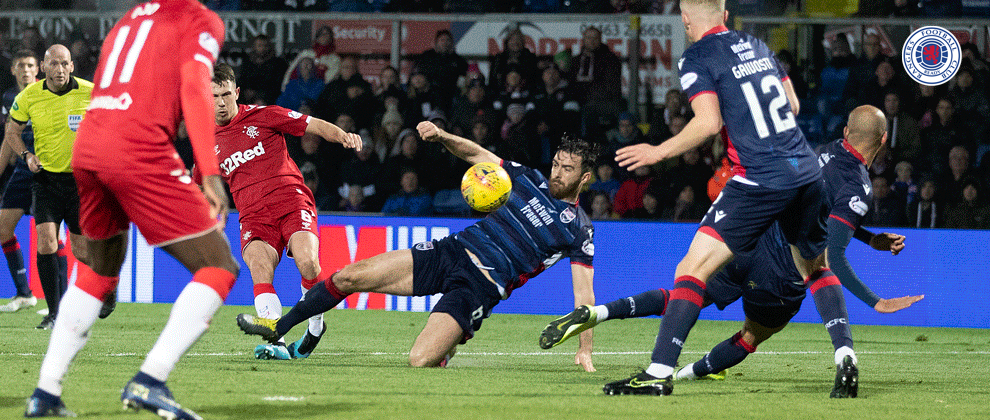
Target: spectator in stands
column 972, row 109
column 514, row 90
column 597, row 82
column 411, row 200
column 903, row 134
column 31, row 39
column 353, row 201
column 674, row 105
column 940, row 8
column 362, row 170
column 941, row 136
column 422, row 100
column 601, row 207
column 262, row 73
column 223, row 5
column 969, row 212
column 515, row 136
column 311, row 177
column 409, row 156
column 84, row 59
column 385, row 138
column 687, row 207
column 321, row 155
column 355, row 6
column 605, row 180
column 442, row 66
column 873, row 91
column 626, row 133
column 481, row 133
column 7, row 80
column 972, row 58
column 468, row 107
column 629, row 197
column 886, row 209
column 555, row 101
column 689, row 171
column 952, row 181
column 831, row 84
column 925, row 212
column 338, row 93
column 904, row 187
column 865, row 71
column 515, row 56
column 305, row 87
column 650, row 209
column 324, row 57
column 389, row 84
column 794, row 72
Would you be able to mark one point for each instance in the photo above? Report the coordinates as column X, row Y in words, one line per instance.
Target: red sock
column 218, row 279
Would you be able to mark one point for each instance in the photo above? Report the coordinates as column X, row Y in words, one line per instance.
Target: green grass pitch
column 359, row 371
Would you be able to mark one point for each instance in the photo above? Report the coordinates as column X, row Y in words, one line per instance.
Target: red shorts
column 277, row 231
column 165, row 208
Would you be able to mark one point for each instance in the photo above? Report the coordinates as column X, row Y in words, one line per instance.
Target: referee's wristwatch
column 24, row 155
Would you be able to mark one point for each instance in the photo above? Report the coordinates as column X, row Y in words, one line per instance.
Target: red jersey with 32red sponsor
column 136, row 86
column 254, row 161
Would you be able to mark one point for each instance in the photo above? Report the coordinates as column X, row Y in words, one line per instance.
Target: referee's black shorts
column 56, row 199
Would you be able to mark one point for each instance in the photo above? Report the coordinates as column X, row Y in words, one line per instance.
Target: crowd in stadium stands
column 933, row 172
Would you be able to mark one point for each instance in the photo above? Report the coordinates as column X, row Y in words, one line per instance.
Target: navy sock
column 147, row 380
column 48, row 273
column 653, row 302
column 15, row 262
column 831, row 304
column 726, row 354
column 322, row 297
column 682, row 312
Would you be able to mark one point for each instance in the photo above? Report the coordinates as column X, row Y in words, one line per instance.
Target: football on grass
column 486, row 186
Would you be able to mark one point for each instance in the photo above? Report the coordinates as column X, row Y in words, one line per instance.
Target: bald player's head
column 57, row 66
column 867, row 127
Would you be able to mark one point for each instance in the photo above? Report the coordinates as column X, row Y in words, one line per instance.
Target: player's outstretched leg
column 43, row 404
column 724, row 355
column 846, row 379
column 653, row 302
column 322, row 297
column 144, row 392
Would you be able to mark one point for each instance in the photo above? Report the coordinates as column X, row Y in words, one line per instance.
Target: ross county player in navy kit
column 735, row 87
column 768, row 282
column 478, row 267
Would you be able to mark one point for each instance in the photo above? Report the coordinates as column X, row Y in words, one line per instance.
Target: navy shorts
column 768, row 282
column 17, row 194
column 56, row 199
column 742, row 213
column 442, row 266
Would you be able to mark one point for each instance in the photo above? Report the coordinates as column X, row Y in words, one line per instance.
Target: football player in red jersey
column 154, row 71
column 277, row 210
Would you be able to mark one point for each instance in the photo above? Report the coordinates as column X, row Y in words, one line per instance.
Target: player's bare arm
column 334, row 134
column 791, row 96
column 707, row 122
column 584, row 294
column 12, row 139
column 461, row 147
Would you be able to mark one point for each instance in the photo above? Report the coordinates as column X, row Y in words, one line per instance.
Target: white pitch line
column 516, row 354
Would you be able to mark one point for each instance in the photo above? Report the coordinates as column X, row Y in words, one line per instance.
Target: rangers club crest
column 251, row 131
column 931, row 55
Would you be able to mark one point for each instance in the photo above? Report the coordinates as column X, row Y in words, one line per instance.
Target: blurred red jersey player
column 277, row 209
column 154, row 71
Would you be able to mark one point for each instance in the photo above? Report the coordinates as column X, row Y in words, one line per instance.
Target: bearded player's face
column 225, row 101
column 565, row 175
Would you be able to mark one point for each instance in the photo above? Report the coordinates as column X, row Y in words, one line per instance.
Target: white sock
column 601, row 313
column 268, row 306
column 191, row 315
column 315, row 321
column 76, row 315
column 659, row 371
column 686, row 373
column 840, row 353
